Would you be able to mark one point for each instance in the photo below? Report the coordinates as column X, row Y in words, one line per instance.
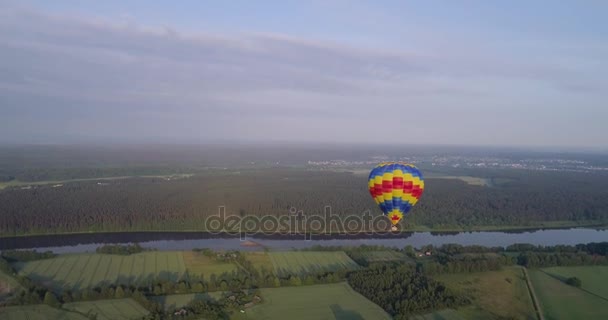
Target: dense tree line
column 184, row 204
column 120, row 249
column 593, row 248
column 552, row 259
column 457, row 264
column 26, row 255
column 401, row 291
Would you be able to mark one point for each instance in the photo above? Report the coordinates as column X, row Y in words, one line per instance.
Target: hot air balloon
column 395, row 187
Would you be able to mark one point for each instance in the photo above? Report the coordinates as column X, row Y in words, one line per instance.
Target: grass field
column 447, row 314
column 118, row 309
column 260, row 260
column 496, row 295
column 327, row 301
column 59, row 183
column 475, row 181
column 378, row 256
column 89, row 270
column 199, row 264
column 594, row 278
column 561, row 301
column 8, row 285
column 38, row 312
column 175, row 301
column 306, row 262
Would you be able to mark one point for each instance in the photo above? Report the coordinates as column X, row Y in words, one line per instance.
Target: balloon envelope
column 395, row 187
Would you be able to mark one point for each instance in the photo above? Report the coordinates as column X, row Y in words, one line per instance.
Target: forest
column 142, row 204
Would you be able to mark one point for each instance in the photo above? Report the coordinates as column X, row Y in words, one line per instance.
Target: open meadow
column 175, row 301
column 38, row 312
column 307, row 262
column 561, row 301
column 383, row 256
column 326, row 301
column 116, row 309
column 594, row 278
column 78, row 271
column 8, row 285
column 495, row 295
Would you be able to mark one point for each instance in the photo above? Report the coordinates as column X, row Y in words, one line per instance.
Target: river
column 88, row 242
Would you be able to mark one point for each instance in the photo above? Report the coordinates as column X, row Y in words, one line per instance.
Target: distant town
column 549, row 164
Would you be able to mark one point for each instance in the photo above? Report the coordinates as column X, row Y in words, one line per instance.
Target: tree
column 51, row 300
column 574, row 281
column 198, row 287
column 119, row 293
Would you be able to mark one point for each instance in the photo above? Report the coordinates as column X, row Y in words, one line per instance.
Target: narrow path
column 539, row 312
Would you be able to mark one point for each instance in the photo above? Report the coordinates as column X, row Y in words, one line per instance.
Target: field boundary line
column 105, row 275
column 76, row 258
column 242, row 268
column 580, row 288
column 78, row 281
column 93, row 276
column 535, row 301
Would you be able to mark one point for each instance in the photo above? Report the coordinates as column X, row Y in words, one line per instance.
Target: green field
column 8, row 285
column 379, row 256
column 118, row 309
column 474, row 181
column 594, row 278
column 495, row 295
column 447, row 314
column 80, row 271
column 175, row 301
column 38, row 312
column 306, row 262
column 59, row 183
column 198, row 264
column 561, row 301
column 260, row 260
column 326, row 301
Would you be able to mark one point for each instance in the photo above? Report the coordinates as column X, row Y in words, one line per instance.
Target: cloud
column 76, row 71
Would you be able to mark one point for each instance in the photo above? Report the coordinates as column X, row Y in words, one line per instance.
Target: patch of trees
column 402, row 291
column 184, row 204
column 442, row 263
column 574, row 281
column 553, row 259
column 120, row 249
column 26, row 255
column 593, row 248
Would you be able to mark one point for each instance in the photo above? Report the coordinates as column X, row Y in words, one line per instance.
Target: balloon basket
column 394, row 228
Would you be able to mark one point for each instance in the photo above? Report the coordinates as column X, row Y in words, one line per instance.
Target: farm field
column 198, row 264
column 474, row 181
column 379, row 256
column 260, row 260
column 495, row 294
column 326, row 301
column 594, row 278
column 175, row 301
column 118, row 309
column 80, row 271
column 59, row 183
column 8, row 285
column 38, row 312
column 306, row 262
column 561, row 301
column 447, row 314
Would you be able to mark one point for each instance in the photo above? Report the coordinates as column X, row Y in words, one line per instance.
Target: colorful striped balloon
column 396, row 187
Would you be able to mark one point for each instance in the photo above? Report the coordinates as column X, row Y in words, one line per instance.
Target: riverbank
column 548, row 225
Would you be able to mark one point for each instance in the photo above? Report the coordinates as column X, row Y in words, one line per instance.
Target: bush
column 574, row 281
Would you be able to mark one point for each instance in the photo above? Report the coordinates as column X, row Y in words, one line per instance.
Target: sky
column 501, row 73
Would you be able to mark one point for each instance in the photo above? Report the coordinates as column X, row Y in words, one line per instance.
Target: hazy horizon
column 474, row 73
